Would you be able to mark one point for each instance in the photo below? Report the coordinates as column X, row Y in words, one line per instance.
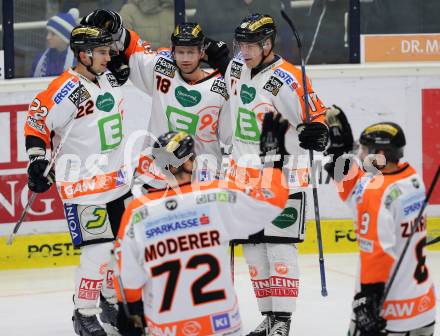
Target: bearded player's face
column 187, row 58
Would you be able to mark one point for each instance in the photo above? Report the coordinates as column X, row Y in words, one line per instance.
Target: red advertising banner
column 431, row 138
column 13, row 178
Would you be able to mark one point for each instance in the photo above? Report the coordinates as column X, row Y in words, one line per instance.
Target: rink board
column 55, row 249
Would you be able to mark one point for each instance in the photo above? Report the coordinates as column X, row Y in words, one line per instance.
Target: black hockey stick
column 413, row 229
column 433, row 241
column 308, row 119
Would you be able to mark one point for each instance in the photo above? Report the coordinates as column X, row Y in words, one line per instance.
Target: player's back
column 181, row 240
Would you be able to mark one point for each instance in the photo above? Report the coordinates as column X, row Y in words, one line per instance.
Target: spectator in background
column 153, row 20
column 58, row 56
column 217, row 18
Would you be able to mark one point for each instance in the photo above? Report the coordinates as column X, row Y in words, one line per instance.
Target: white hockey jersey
column 172, row 251
column 178, row 105
column 277, row 88
column 89, row 167
column 385, row 207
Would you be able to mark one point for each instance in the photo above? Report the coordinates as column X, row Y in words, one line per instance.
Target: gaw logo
column 94, row 219
column 105, row 102
column 287, row 218
column 247, row 94
column 180, row 120
column 186, row 97
column 110, row 132
column 247, row 126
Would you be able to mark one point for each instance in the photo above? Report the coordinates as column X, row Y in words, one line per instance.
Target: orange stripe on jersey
column 376, row 263
column 137, row 45
column 41, row 106
column 316, row 107
column 131, row 295
column 404, row 309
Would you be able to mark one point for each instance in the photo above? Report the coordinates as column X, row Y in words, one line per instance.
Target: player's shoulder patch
column 219, row 86
column 165, row 66
column 79, row 95
column 63, row 87
column 287, row 73
column 273, row 85
column 166, row 52
column 236, row 68
column 112, row 79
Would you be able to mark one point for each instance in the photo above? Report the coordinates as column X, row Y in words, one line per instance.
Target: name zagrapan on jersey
column 236, row 69
column 273, row 85
column 165, row 67
column 219, row 87
column 81, row 94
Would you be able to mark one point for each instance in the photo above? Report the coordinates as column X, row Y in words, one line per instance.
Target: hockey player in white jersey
column 185, row 97
column 172, row 247
column 258, row 82
column 385, row 196
column 82, row 109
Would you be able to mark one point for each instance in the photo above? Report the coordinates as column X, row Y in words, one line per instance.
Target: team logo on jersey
column 32, row 122
column 247, row 94
column 94, row 219
column 105, row 102
column 64, row 91
column 286, row 218
column 79, row 95
column 236, row 69
column 273, row 85
column 219, row 87
column 187, row 98
column 165, row 67
column 247, row 126
column 180, row 120
column 221, row 322
column 171, row 204
column 112, row 80
column 287, row 78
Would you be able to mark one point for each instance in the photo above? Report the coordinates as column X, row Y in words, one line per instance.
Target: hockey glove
column 110, row 20
column 366, row 310
column 313, row 136
column 119, row 68
column 218, row 54
column 272, row 139
column 340, row 134
column 133, row 325
column 36, row 181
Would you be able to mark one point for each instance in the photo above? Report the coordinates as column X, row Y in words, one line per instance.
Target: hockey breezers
column 413, row 230
column 313, row 177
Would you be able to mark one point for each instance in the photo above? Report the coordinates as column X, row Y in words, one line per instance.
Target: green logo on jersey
column 187, row 98
column 105, row 102
column 110, row 132
column 247, row 126
column 287, row 218
column 180, row 120
column 99, row 221
column 247, row 94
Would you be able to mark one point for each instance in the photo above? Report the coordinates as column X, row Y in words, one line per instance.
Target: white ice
column 38, row 302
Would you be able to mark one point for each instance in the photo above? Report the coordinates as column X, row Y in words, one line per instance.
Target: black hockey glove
column 119, row 68
column 218, row 54
column 36, row 181
column 313, row 136
column 272, row 139
column 340, row 134
column 134, row 325
column 366, row 309
column 104, row 18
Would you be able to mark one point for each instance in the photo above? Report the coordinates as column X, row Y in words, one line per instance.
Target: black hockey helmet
column 86, row 38
column 256, row 27
column 188, row 34
column 173, row 149
column 386, row 136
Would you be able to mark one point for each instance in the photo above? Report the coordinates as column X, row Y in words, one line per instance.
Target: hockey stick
column 433, row 241
column 45, row 173
column 413, row 230
column 232, row 261
column 308, row 120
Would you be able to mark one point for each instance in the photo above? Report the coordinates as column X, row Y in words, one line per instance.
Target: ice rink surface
column 39, row 302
